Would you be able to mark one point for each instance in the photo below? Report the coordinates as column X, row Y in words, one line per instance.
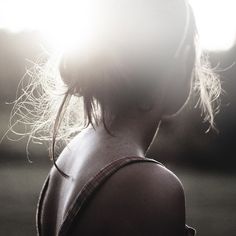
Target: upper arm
column 155, row 200
column 139, row 199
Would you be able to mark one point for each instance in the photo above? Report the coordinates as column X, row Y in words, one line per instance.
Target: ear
column 178, row 82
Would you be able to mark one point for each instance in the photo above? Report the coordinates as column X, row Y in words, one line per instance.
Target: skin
column 139, row 199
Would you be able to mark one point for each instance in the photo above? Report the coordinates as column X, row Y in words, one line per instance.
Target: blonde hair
column 51, row 110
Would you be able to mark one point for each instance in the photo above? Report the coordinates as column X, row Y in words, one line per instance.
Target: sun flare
column 65, row 23
column 71, row 25
column 216, row 21
column 62, row 23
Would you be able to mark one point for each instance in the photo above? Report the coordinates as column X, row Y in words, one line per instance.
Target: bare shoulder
column 141, row 199
column 153, row 185
column 151, row 175
column 153, row 180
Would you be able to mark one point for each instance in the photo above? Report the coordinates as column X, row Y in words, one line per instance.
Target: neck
column 133, row 135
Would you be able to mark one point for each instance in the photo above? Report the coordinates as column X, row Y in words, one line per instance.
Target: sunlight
column 65, row 23
column 72, row 24
column 216, row 22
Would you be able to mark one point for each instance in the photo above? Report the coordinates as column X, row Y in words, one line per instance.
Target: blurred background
column 205, row 162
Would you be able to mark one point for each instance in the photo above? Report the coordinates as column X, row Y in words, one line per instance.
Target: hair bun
column 73, row 73
column 86, row 71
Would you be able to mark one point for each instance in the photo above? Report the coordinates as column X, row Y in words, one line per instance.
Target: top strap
column 93, row 184
column 39, row 205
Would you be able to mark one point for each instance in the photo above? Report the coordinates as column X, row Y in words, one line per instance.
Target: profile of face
column 143, row 51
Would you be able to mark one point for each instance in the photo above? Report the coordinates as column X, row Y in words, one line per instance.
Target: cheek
column 176, row 93
column 178, row 83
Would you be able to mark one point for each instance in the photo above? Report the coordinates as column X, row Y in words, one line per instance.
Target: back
column 139, row 199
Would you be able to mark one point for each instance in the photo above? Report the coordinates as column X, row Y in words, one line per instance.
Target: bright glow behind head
column 216, row 22
column 63, row 24
column 67, row 23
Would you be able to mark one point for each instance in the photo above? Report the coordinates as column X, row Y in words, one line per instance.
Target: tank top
column 86, row 192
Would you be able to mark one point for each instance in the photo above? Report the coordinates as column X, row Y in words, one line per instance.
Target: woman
column 142, row 67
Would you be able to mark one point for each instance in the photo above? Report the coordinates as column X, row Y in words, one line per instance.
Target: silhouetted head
column 141, row 51
column 142, row 55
